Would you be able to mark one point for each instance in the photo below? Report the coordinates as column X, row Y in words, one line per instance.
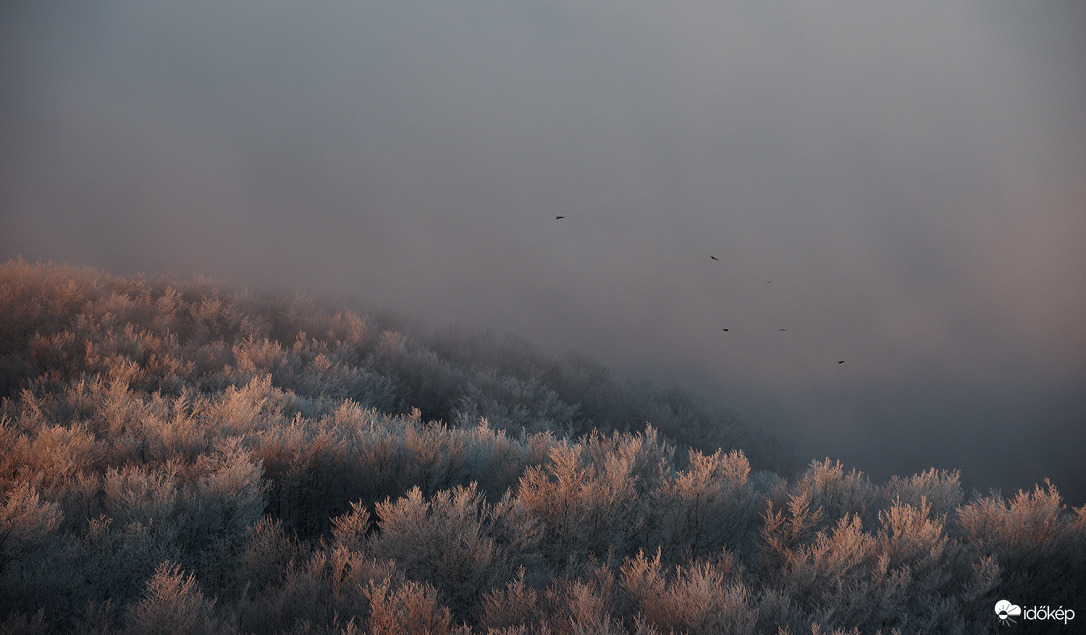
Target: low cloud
column 909, row 177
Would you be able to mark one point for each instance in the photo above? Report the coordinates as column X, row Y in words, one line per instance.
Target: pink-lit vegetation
column 179, row 458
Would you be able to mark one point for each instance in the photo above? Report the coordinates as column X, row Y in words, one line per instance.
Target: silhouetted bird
column 782, row 330
column 715, row 258
column 559, row 217
column 725, row 330
column 841, row 361
column 769, row 281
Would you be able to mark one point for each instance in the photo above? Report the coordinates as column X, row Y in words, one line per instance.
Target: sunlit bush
column 176, row 457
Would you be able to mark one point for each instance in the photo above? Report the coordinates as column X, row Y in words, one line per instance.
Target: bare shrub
column 259, row 358
column 27, row 539
column 51, row 455
column 349, row 530
column 412, row 607
column 232, row 495
column 836, row 492
column 1027, row 524
column 136, row 494
column 443, row 541
column 579, row 606
column 116, row 558
column 699, row 598
column 320, row 588
column 25, row 522
column 267, row 554
column 256, row 403
column 441, row 456
column 18, row 623
column 918, row 570
column 173, row 603
column 511, row 403
column 831, row 576
column 1039, row 548
column 308, row 467
column 939, row 489
column 705, row 507
column 495, row 461
column 784, row 533
column 649, row 457
column 514, row 605
column 583, row 508
column 911, row 536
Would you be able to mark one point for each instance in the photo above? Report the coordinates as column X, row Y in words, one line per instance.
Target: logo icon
column 1005, row 610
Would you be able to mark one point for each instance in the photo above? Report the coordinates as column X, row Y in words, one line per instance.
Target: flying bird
column 769, row 281
column 715, row 258
column 841, row 361
column 725, row 330
column 559, row 217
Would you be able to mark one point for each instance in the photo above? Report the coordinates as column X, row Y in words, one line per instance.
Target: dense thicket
column 179, row 458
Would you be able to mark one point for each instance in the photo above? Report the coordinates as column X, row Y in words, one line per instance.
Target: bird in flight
column 841, row 361
column 725, row 330
column 714, row 258
column 769, row 281
column 782, row 330
column 559, row 217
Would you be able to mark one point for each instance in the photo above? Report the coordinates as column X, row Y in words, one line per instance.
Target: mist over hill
column 181, row 457
column 204, row 337
column 908, row 174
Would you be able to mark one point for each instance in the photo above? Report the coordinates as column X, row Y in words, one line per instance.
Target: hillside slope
column 183, row 458
column 62, row 324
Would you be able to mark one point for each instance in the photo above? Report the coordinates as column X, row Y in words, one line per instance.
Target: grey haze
column 911, row 176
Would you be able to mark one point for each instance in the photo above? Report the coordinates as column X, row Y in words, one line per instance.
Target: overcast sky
column 911, row 176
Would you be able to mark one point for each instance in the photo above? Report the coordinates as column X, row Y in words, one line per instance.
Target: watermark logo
column 1007, row 611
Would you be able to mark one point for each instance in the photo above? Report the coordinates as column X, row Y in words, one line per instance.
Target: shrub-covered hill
column 61, row 325
column 180, row 458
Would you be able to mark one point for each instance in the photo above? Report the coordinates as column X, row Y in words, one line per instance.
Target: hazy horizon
column 909, row 177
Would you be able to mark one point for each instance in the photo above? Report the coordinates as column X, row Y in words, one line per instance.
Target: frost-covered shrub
column 180, row 456
column 173, row 603
column 705, row 507
column 583, row 507
column 350, row 529
column 26, row 522
column 28, row 527
column 939, row 489
column 582, row 605
column 1040, row 548
column 836, row 492
column 705, row 596
column 514, row 605
column 412, row 607
column 444, row 541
